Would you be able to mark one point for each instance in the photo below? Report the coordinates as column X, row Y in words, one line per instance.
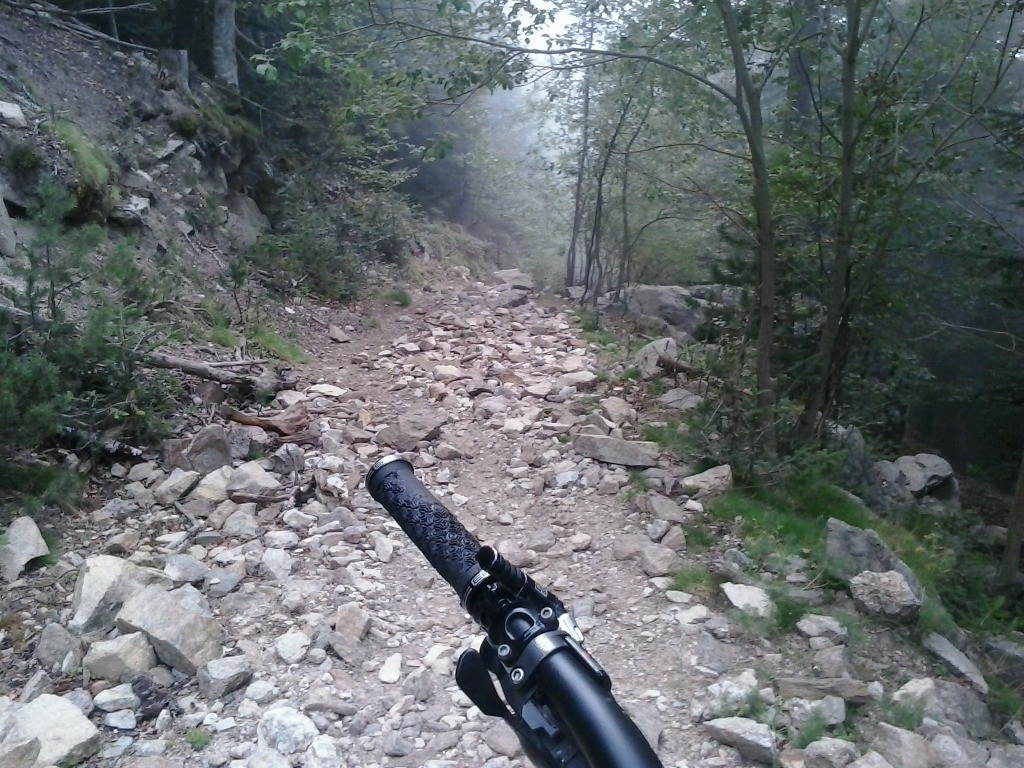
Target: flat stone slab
column 956, row 659
column 615, row 450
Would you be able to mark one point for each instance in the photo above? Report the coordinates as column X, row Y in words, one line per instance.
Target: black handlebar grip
column 435, row 531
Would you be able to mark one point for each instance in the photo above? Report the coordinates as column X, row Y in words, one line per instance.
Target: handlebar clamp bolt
column 546, row 613
column 517, row 675
column 504, row 650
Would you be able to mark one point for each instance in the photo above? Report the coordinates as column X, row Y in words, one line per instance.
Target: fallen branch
column 673, row 366
column 292, row 420
column 268, row 381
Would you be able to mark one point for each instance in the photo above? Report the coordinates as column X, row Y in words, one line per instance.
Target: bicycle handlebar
column 435, row 531
column 562, row 680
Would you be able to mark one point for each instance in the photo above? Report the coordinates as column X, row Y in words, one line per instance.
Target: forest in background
column 855, row 168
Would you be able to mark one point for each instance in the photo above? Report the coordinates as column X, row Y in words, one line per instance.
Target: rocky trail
column 225, row 610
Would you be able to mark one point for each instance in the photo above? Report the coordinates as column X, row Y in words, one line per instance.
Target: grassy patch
column 696, row 581
column 698, row 538
column 223, row 337
column 273, row 344
column 631, row 374
column 93, row 164
column 810, row 731
column 589, row 321
column 672, row 436
column 399, row 297
column 905, row 714
column 198, row 739
column 599, row 337
column 657, row 387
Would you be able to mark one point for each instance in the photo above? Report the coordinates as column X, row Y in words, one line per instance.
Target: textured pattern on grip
column 445, row 542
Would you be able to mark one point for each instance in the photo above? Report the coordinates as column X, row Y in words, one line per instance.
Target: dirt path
column 525, row 491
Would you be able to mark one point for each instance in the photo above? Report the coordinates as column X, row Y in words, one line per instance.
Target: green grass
column 631, row 374
column 91, row 162
column 809, row 732
column 273, row 344
column 673, row 436
column 1005, row 701
column 907, row 714
column 198, row 739
column 398, row 296
column 657, row 387
column 696, row 581
column 589, row 321
column 599, row 337
column 698, row 538
column 223, row 337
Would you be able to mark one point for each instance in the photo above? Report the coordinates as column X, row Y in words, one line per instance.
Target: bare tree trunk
column 1009, row 568
column 581, row 170
column 225, row 64
column 748, row 107
column 834, row 343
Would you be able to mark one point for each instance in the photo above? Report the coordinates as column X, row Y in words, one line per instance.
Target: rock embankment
column 230, row 610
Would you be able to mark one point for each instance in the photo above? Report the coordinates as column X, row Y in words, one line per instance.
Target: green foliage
column 673, row 436
column 697, row 581
column 1005, row 701
column 93, row 189
column 76, row 381
column 23, row 160
column 266, row 338
column 698, row 538
column 198, row 739
column 56, row 261
column 810, row 731
column 908, row 714
column 399, row 297
column 326, row 250
column 32, row 400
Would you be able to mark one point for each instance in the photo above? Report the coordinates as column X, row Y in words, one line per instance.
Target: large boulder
column 648, row 356
column 851, row 550
column 104, row 583
column 120, row 659
column 751, row 739
column 710, row 482
column 65, row 735
column 886, row 594
column 182, row 636
column 21, row 544
column 685, row 309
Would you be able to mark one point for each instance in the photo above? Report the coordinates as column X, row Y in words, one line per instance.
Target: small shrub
column 23, row 161
column 657, row 387
column 399, row 297
column 198, row 739
column 589, row 321
column 907, row 715
column 631, row 374
column 93, row 191
column 698, row 538
column 1005, row 701
column 810, row 731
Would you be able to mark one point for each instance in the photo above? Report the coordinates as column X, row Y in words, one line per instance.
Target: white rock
column 391, row 670
column 748, row 599
column 292, row 646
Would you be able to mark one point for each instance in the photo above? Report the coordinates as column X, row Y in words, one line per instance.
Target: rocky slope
column 222, row 609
